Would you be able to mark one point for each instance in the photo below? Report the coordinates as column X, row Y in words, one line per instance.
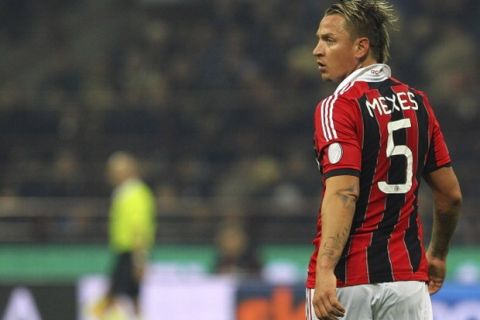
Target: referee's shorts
column 123, row 280
column 406, row 300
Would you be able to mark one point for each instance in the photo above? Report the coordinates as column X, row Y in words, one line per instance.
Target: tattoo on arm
column 443, row 228
column 333, row 246
column 348, row 196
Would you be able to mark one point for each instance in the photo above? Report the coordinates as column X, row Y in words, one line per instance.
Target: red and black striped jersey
column 386, row 133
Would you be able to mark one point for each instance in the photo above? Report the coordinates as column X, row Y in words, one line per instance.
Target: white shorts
column 406, row 300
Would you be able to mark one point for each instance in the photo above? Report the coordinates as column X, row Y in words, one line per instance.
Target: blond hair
column 368, row 18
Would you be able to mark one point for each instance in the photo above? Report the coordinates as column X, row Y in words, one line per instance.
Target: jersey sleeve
column 438, row 155
column 337, row 141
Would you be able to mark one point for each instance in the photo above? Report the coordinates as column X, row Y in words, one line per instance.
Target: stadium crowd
column 216, row 97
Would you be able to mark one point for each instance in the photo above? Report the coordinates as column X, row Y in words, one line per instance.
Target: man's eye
column 328, row 40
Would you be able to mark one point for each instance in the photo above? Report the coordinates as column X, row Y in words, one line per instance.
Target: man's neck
column 365, row 63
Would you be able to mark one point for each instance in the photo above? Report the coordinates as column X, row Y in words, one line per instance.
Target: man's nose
column 318, row 50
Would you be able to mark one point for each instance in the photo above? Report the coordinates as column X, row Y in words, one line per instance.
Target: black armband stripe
column 341, row 172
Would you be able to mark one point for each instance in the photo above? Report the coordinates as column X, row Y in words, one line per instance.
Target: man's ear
column 362, row 48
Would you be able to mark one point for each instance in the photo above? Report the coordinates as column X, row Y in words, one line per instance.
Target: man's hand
column 325, row 302
column 437, row 268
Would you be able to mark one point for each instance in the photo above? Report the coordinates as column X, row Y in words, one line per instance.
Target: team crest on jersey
column 335, row 153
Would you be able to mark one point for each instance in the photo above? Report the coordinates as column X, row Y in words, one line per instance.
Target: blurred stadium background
column 216, row 98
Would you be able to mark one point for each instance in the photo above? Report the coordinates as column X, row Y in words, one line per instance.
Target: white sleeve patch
column 335, row 153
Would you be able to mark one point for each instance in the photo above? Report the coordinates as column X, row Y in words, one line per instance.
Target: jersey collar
column 372, row 73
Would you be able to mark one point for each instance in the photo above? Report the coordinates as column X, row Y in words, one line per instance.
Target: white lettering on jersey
column 398, row 101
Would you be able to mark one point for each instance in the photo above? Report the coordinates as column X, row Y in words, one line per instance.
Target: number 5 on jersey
column 398, row 150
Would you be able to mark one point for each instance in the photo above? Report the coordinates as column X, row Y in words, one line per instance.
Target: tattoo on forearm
column 333, row 246
column 443, row 228
column 348, row 196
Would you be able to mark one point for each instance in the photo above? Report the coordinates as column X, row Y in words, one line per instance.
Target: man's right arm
column 447, row 199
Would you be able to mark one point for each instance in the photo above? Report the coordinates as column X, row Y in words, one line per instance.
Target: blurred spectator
column 456, row 89
column 236, row 249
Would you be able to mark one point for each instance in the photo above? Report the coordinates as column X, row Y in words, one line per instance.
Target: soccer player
column 131, row 231
column 375, row 138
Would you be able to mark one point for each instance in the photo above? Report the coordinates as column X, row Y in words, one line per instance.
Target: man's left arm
column 338, row 208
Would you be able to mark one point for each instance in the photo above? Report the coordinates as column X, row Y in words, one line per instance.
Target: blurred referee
column 131, row 232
